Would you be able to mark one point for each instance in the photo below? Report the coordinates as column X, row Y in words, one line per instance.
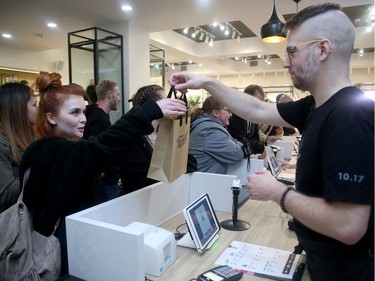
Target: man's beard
column 304, row 74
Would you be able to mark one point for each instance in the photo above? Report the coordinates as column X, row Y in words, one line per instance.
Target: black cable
column 178, row 235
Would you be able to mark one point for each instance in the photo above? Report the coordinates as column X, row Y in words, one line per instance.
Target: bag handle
column 183, row 97
column 172, row 90
column 25, row 179
column 19, row 200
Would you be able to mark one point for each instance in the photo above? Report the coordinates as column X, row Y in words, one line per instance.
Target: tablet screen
column 273, row 164
column 202, row 222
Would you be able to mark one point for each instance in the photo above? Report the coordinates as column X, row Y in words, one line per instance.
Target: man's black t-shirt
column 97, row 122
column 336, row 158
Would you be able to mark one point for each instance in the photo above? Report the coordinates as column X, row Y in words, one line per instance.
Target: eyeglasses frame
column 293, row 49
column 227, row 110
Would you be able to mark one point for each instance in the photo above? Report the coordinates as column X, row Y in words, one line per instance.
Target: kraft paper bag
column 169, row 158
column 170, row 154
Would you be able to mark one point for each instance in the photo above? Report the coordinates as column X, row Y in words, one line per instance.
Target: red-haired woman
column 64, row 167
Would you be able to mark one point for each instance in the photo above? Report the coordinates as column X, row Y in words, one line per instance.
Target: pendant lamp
column 272, row 31
column 297, row 1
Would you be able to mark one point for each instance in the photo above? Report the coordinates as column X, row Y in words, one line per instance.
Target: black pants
column 346, row 267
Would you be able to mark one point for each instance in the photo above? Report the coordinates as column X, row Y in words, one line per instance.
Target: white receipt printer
column 160, row 247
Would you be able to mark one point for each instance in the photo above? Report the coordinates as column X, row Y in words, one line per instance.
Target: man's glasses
column 289, row 51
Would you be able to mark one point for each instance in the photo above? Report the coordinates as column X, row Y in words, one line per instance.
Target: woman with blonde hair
column 64, row 167
column 17, row 115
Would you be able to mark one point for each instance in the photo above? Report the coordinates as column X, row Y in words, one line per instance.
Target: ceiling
column 165, row 19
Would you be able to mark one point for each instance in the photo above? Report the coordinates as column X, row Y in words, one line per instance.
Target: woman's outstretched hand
column 172, row 107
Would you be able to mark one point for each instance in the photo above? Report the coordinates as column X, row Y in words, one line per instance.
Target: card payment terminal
column 220, row 273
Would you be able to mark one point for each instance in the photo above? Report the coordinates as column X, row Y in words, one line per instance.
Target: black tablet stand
column 234, row 224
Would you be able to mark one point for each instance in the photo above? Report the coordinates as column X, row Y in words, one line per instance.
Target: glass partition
column 157, row 66
column 96, row 54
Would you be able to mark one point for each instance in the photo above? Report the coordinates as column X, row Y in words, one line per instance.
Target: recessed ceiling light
column 127, row 8
column 6, row 35
column 52, row 24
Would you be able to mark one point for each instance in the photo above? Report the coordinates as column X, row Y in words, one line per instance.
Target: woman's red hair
column 52, row 95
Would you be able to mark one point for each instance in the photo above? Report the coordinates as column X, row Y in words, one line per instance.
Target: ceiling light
column 235, row 32
column 6, row 35
column 226, row 30
column 195, row 33
column 272, row 31
column 201, row 36
column 52, row 24
column 186, row 30
column 126, row 8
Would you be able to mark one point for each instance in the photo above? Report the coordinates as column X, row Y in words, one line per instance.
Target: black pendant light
column 297, row 1
column 272, row 31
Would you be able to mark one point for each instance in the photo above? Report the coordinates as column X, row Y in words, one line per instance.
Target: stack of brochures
column 263, row 261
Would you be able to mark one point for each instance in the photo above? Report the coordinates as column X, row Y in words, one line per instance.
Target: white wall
column 136, row 57
column 25, row 59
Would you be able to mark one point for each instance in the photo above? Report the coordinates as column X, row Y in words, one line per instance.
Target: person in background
column 284, row 98
column 98, row 121
column 92, row 99
column 333, row 203
column 108, row 96
column 135, row 163
column 64, row 167
column 270, row 133
column 210, row 142
column 245, row 131
column 18, row 107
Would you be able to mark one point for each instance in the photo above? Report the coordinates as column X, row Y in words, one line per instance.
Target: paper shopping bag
column 170, row 154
